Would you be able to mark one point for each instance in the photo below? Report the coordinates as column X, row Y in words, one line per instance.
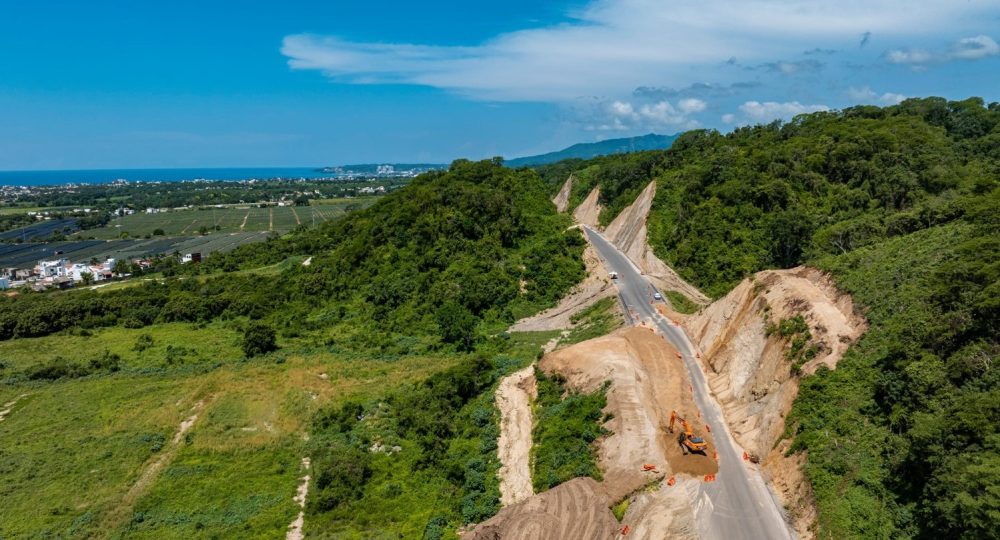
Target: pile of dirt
column 561, row 199
column 514, row 395
column 589, row 211
column 571, row 511
column 593, row 288
column 648, row 381
column 751, row 372
column 628, row 232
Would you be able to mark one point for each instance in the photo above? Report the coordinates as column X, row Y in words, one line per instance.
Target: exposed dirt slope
column 561, row 199
column 647, row 382
column 573, row 510
column 589, row 211
column 628, row 232
column 514, row 395
column 593, row 288
column 750, row 372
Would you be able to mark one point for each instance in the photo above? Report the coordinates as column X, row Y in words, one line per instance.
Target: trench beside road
column 738, row 504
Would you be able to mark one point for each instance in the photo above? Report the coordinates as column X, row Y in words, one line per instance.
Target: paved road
column 738, row 505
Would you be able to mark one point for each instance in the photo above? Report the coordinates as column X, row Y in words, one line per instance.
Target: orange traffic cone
column 672, row 481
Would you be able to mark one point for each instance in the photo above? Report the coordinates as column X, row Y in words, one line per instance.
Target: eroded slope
column 628, row 232
column 756, row 349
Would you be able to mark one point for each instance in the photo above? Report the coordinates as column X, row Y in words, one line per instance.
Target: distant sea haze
column 104, row 176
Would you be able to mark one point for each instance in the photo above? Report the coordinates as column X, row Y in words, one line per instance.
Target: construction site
column 696, row 404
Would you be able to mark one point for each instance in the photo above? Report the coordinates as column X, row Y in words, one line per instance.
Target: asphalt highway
column 738, row 504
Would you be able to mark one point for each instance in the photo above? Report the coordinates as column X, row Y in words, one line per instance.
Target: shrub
column 258, row 339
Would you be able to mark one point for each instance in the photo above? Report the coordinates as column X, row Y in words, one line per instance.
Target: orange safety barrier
column 678, row 355
column 746, row 457
column 625, row 530
column 715, row 456
column 710, row 478
column 649, row 467
column 672, row 481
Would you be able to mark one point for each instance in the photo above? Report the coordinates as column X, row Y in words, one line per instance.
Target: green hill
column 901, row 204
column 651, row 141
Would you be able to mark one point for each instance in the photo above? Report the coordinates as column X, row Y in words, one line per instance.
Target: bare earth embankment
column 589, row 211
column 561, row 199
column 513, row 396
column 647, row 382
column 628, row 232
column 751, row 372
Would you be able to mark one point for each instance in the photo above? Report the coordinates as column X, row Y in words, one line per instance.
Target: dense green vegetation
column 600, row 318
column 417, row 461
column 397, row 318
column 680, row 303
column 450, row 257
column 900, row 204
column 566, row 425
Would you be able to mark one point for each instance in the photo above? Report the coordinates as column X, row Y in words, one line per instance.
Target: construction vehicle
column 689, row 443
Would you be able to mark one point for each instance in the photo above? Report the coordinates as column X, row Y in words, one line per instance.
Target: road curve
column 738, row 505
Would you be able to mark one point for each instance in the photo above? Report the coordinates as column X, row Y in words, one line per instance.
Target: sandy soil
column 628, row 232
column 514, row 395
column 751, row 377
column 9, row 406
column 589, row 211
column 574, row 510
column 561, row 199
column 295, row 527
column 647, row 382
column 594, row 287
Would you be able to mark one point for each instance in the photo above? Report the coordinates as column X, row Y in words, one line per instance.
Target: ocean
column 103, row 176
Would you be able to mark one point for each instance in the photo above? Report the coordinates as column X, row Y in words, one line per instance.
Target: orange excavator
column 686, row 438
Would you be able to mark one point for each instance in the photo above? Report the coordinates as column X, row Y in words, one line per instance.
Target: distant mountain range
column 601, row 148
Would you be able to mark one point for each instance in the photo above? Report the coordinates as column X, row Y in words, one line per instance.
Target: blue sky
column 109, row 84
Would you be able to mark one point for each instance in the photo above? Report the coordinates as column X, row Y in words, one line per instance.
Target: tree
column 87, row 278
column 457, row 324
column 158, row 232
column 258, row 339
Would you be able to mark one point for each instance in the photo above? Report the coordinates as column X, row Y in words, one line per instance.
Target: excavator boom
column 687, row 439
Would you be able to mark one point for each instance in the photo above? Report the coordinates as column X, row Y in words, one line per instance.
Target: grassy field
column 97, row 454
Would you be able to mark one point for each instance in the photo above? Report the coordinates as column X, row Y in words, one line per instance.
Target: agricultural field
column 25, row 255
column 231, row 219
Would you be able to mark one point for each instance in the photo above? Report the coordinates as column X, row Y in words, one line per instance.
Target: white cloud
column 771, row 110
column 615, row 46
column 974, row 48
column 728, row 118
column 867, row 95
column 624, row 116
column 691, row 105
column 970, row 48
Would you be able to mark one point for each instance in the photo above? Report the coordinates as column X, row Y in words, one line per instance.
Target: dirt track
column 513, row 396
